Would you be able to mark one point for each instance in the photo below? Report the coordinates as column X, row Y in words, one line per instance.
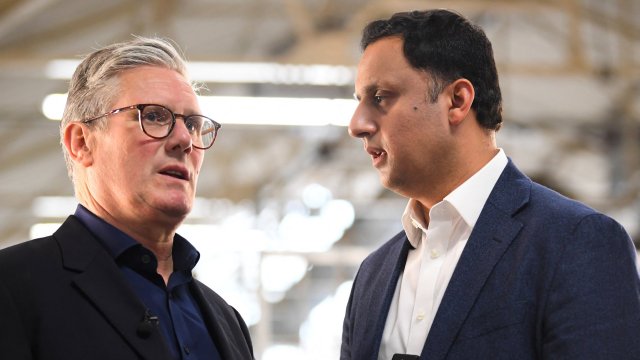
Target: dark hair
column 448, row 47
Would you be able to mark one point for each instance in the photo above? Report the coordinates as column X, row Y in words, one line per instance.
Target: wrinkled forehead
column 157, row 85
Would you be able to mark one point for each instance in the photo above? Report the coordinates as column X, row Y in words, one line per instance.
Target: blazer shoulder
column 72, row 243
column 554, row 204
column 515, row 193
column 33, row 251
column 552, row 215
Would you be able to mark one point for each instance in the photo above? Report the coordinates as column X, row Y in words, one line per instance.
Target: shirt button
column 420, row 316
column 146, row 259
column 435, row 254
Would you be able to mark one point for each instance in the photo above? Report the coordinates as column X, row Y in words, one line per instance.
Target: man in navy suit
column 490, row 265
column 115, row 281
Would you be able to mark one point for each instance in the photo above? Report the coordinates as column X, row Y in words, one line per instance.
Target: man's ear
column 77, row 140
column 462, row 95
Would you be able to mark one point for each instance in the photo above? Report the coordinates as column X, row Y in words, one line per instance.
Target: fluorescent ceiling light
column 53, row 206
column 271, row 73
column 241, row 72
column 253, row 110
column 278, row 111
column 43, row 229
column 53, row 106
column 61, row 69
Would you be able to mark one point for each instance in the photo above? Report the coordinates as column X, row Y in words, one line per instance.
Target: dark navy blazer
column 541, row 277
column 64, row 297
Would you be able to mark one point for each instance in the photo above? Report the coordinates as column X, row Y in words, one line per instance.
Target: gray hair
column 94, row 84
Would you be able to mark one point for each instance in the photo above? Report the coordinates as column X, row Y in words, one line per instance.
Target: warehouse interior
column 288, row 203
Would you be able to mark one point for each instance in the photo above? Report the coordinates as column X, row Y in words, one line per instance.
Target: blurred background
column 288, row 204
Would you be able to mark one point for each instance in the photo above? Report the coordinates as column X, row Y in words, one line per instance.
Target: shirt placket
column 431, row 263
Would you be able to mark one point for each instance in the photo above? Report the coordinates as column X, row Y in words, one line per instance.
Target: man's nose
column 361, row 124
column 180, row 136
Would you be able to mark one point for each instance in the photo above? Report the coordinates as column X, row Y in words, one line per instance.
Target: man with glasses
column 114, row 281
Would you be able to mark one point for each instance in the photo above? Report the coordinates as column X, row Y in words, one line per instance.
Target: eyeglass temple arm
column 205, row 132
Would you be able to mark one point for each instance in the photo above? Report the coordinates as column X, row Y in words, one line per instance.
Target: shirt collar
column 185, row 255
column 467, row 200
column 413, row 223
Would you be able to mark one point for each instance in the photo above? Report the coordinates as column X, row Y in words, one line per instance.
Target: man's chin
column 175, row 211
column 385, row 179
column 176, row 205
column 178, row 212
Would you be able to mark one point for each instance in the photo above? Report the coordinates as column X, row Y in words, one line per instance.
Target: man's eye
column 378, row 99
column 158, row 117
column 153, row 117
column 194, row 124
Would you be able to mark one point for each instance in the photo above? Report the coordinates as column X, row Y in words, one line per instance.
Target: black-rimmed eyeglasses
column 157, row 122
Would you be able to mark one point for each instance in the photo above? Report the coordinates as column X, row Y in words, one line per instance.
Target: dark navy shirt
column 180, row 320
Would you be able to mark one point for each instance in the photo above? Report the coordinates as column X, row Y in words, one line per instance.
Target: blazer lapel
column 100, row 280
column 386, row 277
column 219, row 327
column 491, row 236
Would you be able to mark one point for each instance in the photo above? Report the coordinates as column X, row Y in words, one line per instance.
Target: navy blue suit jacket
column 541, row 277
column 64, row 297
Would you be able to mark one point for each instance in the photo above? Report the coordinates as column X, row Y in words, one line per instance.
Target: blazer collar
column 495, row 230
column 101, row 282
column 383, row 275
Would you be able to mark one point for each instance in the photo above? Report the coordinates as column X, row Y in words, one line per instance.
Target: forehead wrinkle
column 171, row 89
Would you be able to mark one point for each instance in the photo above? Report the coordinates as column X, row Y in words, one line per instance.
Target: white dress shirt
column 430, row 265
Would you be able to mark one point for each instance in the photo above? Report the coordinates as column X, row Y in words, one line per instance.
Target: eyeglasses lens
column 157, row 122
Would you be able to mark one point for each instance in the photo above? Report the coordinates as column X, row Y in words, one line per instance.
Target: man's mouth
column 175, row 174
column 375, row 153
